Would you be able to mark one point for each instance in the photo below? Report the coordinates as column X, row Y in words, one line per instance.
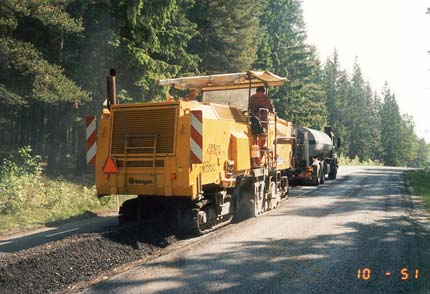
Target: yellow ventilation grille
column 138, row 127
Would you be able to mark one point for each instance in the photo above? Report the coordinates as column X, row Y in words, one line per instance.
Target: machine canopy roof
column 226, row 81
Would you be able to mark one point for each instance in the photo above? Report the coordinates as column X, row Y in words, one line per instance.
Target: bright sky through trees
column 390, row 39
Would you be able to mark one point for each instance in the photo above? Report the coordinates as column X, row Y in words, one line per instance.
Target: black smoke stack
column 111, row 88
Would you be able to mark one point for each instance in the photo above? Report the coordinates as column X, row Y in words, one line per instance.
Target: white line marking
column 4, row 243
column 63, row 232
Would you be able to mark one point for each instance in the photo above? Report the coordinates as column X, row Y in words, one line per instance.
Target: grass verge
column 29, row 199
column 420, row 181
column 346, row 161
column 32, row 202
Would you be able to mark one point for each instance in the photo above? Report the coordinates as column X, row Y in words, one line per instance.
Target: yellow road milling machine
column 197, row 164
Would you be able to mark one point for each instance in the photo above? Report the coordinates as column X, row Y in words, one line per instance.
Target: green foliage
column 356, row 161
column 227, row 34
column 152, row 44
column 49, row 84
column 420, row 181
column 337, row 89
column 363, row 122
column 390, row 129
column 370, row 130
column 49, row 12
column 39, row 79
column 29, row 198
column 301, row 100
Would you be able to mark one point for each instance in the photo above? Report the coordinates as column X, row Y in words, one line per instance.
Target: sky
column 391, row 40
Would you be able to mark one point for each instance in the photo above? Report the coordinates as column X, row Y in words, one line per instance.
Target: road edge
column 418, row 212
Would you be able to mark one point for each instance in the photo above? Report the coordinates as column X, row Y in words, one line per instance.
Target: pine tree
column 390, row 129
column 372, row 131
column 228, row 33
column 152, row 44
column 423, row 155
column 408, row 141
column 37, row 77
column 37, row 93
column 356, row 114
column 374, row 106
column 301, row 100
column 337, row 90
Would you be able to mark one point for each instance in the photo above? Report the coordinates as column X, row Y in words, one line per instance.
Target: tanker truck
column 314, row 156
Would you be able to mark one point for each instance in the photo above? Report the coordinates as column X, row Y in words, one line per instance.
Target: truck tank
column 320, row 144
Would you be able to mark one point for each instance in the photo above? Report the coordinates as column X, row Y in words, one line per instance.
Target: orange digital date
column 365, row 274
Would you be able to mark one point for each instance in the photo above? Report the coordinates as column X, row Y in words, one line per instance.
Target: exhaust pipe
column 111, row 88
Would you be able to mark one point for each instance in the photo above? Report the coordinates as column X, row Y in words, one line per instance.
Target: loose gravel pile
column 57, row 265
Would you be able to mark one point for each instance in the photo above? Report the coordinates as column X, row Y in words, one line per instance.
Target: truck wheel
column 315, row 181
column 332, row 175
column 322, row 172
column 249, row 209
column 285, row 188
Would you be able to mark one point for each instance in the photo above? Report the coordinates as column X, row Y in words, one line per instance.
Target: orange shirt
column 259, row 100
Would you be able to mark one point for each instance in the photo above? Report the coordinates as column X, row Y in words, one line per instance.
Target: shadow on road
column 322, row 263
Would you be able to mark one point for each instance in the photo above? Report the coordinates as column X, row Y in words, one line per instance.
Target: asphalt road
column 359, row 234
column 49, row 233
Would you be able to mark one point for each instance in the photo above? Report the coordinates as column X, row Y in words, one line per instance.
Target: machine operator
column 259, row 106
column 260, row 100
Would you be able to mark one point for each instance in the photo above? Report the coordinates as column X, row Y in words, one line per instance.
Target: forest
column 55, row 55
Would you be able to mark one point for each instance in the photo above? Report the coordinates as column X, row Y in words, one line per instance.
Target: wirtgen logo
column 133, row 181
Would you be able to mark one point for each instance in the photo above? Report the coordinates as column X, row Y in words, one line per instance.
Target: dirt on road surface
column 359, row 234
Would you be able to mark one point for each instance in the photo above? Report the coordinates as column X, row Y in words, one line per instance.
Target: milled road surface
column 33, row 238
column 315, row 243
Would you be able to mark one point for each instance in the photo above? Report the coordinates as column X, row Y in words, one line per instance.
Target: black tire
column 322, row 179
column 332, row 175
column 315, row 181
column 247, row 207
column 285, row 187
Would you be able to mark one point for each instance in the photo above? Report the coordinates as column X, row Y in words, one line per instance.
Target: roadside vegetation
column 420, row 181
column 28, row 198
column 344, row 160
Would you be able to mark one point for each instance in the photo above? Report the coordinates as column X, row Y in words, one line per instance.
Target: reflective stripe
column 91, row 127
column 197, row 151
column 91, row 136
column 91, row 153
column 196, row 123
column 196, row 138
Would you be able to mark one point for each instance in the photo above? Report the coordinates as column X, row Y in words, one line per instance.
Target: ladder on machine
column 151, row 154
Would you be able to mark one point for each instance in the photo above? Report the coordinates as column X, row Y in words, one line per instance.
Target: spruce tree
column 337, row 87
column 152, row 44
column 301, row 100
column 390, row 129
column 228, row 35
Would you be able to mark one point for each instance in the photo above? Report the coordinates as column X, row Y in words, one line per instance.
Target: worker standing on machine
column 260, row 100
column 192, row 95
column 259, row 106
